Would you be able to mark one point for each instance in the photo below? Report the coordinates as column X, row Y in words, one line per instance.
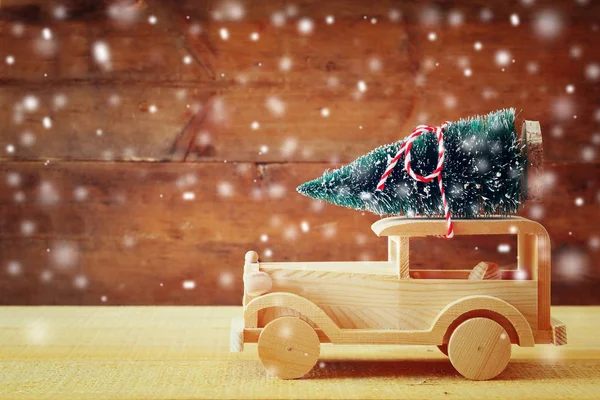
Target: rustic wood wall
column 131, row 161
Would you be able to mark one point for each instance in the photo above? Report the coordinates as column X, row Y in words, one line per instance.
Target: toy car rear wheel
column 288, row 347
column 479, row 349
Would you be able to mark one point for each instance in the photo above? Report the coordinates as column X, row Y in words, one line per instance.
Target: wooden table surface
column 183, row 353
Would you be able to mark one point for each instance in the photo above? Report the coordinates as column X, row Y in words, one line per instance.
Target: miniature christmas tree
column 481, row 174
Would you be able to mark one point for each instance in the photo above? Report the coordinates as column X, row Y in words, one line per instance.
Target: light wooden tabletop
column 183, row 353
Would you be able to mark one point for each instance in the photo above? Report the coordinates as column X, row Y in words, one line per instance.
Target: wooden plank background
column 92, row 208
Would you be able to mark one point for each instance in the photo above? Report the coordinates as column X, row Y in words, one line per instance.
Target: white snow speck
column 278, row 18
column 532, row 67
column 13, row 268
column 10, row 149
column 129, row 241
column 304, row 226
column 503, row 57
column 255, row 125
column 152, row 108
column 486, row 15
column 330, row 19
column 189, row 195
column 325, row 112
column 592, row 72
column 195, row 29
column 13, row 179
column 285, row 64
column 254, row 36
column 28, row 228
column 268, row 253
column 224, row 33
column 432, row 36
column 264, row 238
column 571, row 264
column 520, row 275
column 226, row 279
column 19, row 197
column 276, row 191
column 189, row 284
column 503, row 248
column 80, row 282
column 31, row 103
column 27, row 139
column 547, row 24
column 455, row 18
column 563, row 108
column 46, row 275
column 60, row 12
column 225, row 189
column 47, row 33
column 187, row 60
column 60, row 101
column 47, row 194
column 101, row 53
column 477, row 46
column 152, row 19
column 588, row 154
column 594, row 243
column 515, row 20
column 570, row 89
column 275, row 106
column 103, row 299
column 467, row 72
column 579, row 201
column 80, row 193
column 394, row 15
column 362, row 86
column 306, row 26
column 64, row 254
column 10, row 60
column 289, row 146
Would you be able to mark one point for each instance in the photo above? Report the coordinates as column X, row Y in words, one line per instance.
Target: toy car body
column 290, row 308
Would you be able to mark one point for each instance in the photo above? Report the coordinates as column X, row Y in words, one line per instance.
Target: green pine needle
column 481, row 176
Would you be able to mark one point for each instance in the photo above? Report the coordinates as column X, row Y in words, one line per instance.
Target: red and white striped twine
column 405, row 150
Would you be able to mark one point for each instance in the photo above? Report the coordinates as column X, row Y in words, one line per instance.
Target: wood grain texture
column 127, row 239
column 288, row 347
column 403, row 90
column 365, row 301
column 485, row 270
column 521, row 331
column 479, row 349
column 183, row 353
column 135, row 247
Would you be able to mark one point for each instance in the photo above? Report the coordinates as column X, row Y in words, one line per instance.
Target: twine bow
column 437, row 173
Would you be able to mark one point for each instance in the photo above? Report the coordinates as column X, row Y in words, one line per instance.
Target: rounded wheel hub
column 288, row 347
column 479, row 349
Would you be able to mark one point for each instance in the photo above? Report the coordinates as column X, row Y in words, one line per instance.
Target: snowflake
column 547, row 24
column 306, row 26
column 101, row 53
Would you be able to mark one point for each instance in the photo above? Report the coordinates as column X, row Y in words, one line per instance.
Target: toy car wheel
column 444, row 348
column 288, row 347
column 479, row 349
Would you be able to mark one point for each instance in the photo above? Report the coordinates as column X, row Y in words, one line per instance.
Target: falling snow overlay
column 147, row 145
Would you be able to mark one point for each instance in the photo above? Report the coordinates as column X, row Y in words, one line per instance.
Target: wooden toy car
column 473, row 316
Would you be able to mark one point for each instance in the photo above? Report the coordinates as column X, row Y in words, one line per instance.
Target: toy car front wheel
column 288, row 347
column 479, row 349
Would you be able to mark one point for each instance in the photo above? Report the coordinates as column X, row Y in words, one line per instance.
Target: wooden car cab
column 388, row 303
